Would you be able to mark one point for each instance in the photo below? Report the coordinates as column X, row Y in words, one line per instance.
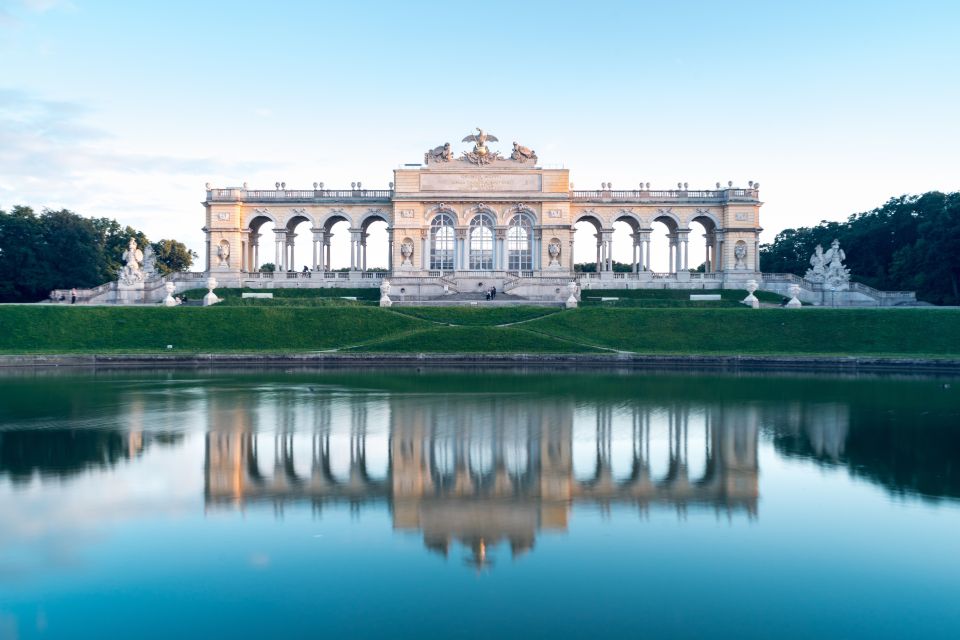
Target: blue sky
column 127, row 109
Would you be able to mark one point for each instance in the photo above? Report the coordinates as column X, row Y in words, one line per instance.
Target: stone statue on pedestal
column 385, row 300
column 826, row 268
column 131, row 273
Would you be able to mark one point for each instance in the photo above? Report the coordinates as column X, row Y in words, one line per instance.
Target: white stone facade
column 504, row 222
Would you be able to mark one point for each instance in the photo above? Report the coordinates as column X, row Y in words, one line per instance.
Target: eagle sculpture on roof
column 481, row 138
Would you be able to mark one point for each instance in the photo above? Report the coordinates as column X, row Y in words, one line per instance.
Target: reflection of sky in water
column 147, row 545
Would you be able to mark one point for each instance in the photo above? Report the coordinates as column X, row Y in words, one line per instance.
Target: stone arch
column 337, row 245
column 334, row 216
column 437, row 209
column 706, row 254
column 578, row 233
column 377, row 238
column 626, row 242
column 519, row 208
column 297, row 253
column 254, row 239
column 371, row 216
column 665, row 247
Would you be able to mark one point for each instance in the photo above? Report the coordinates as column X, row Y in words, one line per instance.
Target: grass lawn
column 474, row 340
column 477, row 316
column 78, row 329
column 104, row 329
column 773, row 331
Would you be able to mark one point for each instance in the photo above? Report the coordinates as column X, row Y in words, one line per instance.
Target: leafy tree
column 911, row 242
column 173, row 256
column 268, row 267
column 60, row 250
column 23, row 271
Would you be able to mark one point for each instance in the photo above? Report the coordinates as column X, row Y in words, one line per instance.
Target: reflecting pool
column 505, row 504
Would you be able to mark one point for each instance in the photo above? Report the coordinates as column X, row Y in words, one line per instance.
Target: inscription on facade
column 742, row 216
column 477, row 182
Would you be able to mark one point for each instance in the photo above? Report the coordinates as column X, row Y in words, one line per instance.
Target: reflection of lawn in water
column 79, row 329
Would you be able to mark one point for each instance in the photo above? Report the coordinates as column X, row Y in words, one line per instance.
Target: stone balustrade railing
column 298, row 195
column 679, row 195
column 384, row 195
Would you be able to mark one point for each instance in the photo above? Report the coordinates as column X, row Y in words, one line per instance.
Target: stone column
column 424, row 249
column 281, row 242
column 599, row 238
column 363, row 249
column 291, row 237
column 683, row 237
column 719, row 259
column 326, row 250
column 537, row 249
column 646, row 250
column 500, row 249
column 460, row 248
column 390, row 250
column 354, row 249
column 317, row 248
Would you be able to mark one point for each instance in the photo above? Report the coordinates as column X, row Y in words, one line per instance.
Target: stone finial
column 730, row 184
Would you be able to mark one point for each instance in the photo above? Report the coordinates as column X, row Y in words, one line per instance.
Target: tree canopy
column 60, row 249
column 909, row 243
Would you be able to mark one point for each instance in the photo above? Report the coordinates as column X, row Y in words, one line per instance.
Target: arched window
column 481, row 242
column 442, row 242
column 519, row 239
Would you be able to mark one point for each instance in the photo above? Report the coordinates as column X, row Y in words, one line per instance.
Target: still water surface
column 306, row 504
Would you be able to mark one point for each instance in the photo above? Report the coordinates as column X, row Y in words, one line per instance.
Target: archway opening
column 337, row 244
column 299, row 245
column 625, row 254
column 586, row 237
column 662, row 245
column 375, row 254
column 703, row 244
column 260, row 244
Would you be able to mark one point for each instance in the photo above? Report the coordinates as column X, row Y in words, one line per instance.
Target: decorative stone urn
column 751, row 300
column 794, row 303
column 211, row 297
column 406, row 252
column 572, row 300
column 385, row 300
column 553, row 250
column 169, row 301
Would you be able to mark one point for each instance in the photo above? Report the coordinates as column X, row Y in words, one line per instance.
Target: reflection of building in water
column 488, row 469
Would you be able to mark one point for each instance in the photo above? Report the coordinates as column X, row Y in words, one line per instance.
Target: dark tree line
column 910, row 243
column 60, row 249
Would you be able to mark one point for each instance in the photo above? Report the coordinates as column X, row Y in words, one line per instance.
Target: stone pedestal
column 169, row 301
column 751, row 300
column 129, row 293
column 794, row 302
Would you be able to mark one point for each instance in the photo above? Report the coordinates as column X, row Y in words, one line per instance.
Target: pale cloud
column 51, row 157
